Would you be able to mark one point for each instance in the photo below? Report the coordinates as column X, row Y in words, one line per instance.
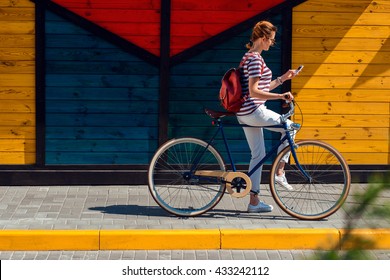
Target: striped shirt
column 254, row 66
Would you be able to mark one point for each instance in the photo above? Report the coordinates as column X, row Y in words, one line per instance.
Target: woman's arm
column 280, row 80
column 264, row 95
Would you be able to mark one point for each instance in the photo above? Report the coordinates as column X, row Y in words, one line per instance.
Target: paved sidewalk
column 131, row 207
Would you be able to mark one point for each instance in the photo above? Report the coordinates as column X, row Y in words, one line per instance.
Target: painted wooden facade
column 101, row 84
column 17, row 82
column 344, row 90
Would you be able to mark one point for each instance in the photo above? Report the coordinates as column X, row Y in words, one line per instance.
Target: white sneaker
column 282, row 181
column 260, row 208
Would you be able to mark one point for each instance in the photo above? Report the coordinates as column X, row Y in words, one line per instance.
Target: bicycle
column 188, row 177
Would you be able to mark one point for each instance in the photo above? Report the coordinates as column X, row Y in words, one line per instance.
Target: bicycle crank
column 233, row 180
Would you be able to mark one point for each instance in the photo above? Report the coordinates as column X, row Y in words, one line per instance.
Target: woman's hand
column 288, row 96
column 288, row 75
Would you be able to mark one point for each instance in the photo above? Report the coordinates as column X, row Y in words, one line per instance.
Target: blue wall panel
column 195, row 85
column 101, row 102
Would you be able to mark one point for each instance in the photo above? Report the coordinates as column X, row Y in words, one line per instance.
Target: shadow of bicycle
column 156, row 211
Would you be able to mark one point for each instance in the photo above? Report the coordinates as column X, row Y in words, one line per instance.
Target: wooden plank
column 16, row 14
column 20, row 80
column 57, row 27
column 366, row 158
column 16, row 3
column 343, row 121
column 345, row 108
column 17, row 93
column 17, row 132
column 346, row 95
column 350, row 6
column 105, row 81
column 113, row 132
column 333, row 82
column 109, row 14
column 360, row 145
column 114, row 93
column 340, row 57
column 101, row 67
column 21, row 41
column 21, row 158
column 93, row 145
column 355, row 133
column 108, row 107
column 77, row 54
column 19, row 67
column 341, row 18
column 15, row 120
column 117, row 4
column 90, row 119
column 355, row 158
column 346, row 44
column 101, row 158
column 8, row 54
column 84, row 40
column 14, row 27
column 345, row 70
column 224, row 5
column 340, row 31
column 17, row 145
column 17, row 106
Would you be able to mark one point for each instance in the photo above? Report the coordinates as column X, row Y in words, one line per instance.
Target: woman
column 256, row 80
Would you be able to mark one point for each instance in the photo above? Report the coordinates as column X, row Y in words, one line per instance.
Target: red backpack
column 230, row 93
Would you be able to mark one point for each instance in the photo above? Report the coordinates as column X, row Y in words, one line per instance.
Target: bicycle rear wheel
column 319, row 194
column 173, row 184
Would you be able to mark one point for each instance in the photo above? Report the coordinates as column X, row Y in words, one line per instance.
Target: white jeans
column 254, row 135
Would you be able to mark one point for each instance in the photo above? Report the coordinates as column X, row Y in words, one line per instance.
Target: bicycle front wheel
column 319, row 177
column 172, row 180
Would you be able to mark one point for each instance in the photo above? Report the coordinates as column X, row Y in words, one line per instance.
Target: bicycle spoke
column 172, row 180
column 328, row 188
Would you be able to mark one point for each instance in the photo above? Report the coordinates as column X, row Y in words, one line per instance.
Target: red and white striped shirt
column 253, row 67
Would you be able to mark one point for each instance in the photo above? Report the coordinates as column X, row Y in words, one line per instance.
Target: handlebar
column 285, row 117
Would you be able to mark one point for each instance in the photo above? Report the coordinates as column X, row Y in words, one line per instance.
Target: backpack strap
column 246, row 58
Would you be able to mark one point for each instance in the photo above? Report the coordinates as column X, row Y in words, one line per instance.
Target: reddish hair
column 260, row 30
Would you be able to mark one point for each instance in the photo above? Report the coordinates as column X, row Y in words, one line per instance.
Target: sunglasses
column 272, row 41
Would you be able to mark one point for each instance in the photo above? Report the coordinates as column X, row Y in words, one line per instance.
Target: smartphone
column 299, row 69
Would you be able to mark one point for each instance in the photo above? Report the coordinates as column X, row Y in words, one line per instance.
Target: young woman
column 256, row 80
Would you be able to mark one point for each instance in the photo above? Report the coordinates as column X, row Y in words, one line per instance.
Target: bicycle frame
column 274, row 148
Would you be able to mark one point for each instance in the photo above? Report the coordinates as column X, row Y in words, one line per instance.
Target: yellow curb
column 194, row 239
column 280, row 239
column 375, row 239
column 159, row 239
column 49, row 240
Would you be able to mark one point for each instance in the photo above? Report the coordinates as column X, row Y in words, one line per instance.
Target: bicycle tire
column 329, row 186
column 175, row 187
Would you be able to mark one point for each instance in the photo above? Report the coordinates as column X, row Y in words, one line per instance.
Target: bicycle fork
column 294, row 154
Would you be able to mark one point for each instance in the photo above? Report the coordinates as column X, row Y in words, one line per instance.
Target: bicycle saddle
column 217, row 114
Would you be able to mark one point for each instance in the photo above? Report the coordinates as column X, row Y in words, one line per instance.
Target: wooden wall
column 344, row 89
column 17, row 82
column 103, row 93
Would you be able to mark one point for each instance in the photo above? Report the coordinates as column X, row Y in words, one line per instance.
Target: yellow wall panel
column 350, row 44
column 17, row 82
column 350, row 95
column 343, row 121
column 343, row 90
column 355, row 133
column 345, row 6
